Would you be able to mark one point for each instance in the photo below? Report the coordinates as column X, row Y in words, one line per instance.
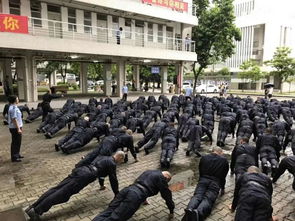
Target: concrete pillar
column 21, row 77
column 5, row 7
column 64, row 18
column 30, row 79
column 110, row 27
column 164, row 83
column 155, row 32
column 107, row 68
column 179, row 71
column 145, row 32
column 133, row 30
column 120, row 77
column 7, row 72
column 94, row 23
column 53, row 79
column 164, row 34
column 83, row 78
column 80, row 20
column 25, row 8
column 44, row 15
column 136, row 78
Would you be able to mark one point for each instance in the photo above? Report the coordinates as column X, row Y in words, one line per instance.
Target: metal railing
column 58, row 29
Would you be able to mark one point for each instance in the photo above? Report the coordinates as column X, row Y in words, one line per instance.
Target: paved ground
column 22, row 183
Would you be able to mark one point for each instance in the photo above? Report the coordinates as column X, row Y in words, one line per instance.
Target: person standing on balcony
column 118, row 35
column 187, row 42
column 125, row 92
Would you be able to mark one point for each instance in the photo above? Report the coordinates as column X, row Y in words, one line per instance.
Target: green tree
column 283, row 64
column 251, row 70
column 95, row 71
column 214, row 35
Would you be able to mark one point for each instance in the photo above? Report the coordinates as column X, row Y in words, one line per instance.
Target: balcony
column 60, row 30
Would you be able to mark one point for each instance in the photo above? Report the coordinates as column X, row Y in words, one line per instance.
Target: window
column 127, row 28
column 87, row 22
column 36, row 13
column 14, row 7
column 0, row 6
column 115, row 25
column 72, row 19
column 160, row 33
column 150, row 32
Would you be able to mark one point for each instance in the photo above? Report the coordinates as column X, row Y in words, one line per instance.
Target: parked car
column 209, row 88
column 186, row 84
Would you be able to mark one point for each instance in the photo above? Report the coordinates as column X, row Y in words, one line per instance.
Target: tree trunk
column 196, row 76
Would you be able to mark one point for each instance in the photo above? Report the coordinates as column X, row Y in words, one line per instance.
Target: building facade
column 136, row 32
column 265, row 25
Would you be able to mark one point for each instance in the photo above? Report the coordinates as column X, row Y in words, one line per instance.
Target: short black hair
column 12, row 99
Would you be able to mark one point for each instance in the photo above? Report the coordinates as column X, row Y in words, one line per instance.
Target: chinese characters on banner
column 14, row 23
column 177, row 5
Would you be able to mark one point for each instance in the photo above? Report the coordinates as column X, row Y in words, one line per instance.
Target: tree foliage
column 251, row 70
column 282, row 63
column 215, row 33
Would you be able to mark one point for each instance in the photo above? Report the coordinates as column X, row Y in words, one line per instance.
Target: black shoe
column 187, row 153
column 5, row 122
column 16, row 160
column 20, row 156
column 48, row 135
column 33, row 215
column 146, row 151
column 56, row 147
column 38, row 130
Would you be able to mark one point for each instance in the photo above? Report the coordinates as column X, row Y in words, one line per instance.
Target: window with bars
column 150, row 32
column 87, row 22
column 72, row 19
column 14, row 7
column 160, row 33
column 36, row 13
column 127, row 28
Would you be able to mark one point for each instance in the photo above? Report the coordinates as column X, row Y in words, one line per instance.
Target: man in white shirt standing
column 125, row 92
column 15, row 125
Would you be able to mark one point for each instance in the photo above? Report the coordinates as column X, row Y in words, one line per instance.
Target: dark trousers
column 204, row 197
column 125, row 204
column 61, row 193
column 124, row 98
column 16, row 140
column 253, row 208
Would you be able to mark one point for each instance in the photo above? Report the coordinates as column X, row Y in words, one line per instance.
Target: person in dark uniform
column 288, row 163
column 290, row 137
column 194, row 139
column 225, row 127
column 129, row 199
column 242, row 157
column 252, row 197
column 269, row 149
column 46, row 108
column 213, row 169
column 34, row 114
column 80, row 177
column 15, row 125
column 151, row 137
column 170, row 142
column 281, row 129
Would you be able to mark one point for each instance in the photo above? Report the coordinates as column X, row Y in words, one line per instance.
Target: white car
column 209, row 88
column 186, row 85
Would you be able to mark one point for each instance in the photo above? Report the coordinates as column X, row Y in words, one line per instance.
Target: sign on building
column 14, row 23
column 177, row 5
column 155, row 70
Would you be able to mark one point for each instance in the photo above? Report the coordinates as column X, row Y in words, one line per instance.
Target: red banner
column 177, row 5
column 14, row 23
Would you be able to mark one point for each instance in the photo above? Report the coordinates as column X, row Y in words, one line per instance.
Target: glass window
column 150, row 32
column 115, row 25
column 127, row 30
column 14, row 7
column 36, row 13
column 72, row 19
column 160, row 33
column 87, row 22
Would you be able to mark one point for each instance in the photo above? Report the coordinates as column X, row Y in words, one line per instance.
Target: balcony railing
column 63, row 30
